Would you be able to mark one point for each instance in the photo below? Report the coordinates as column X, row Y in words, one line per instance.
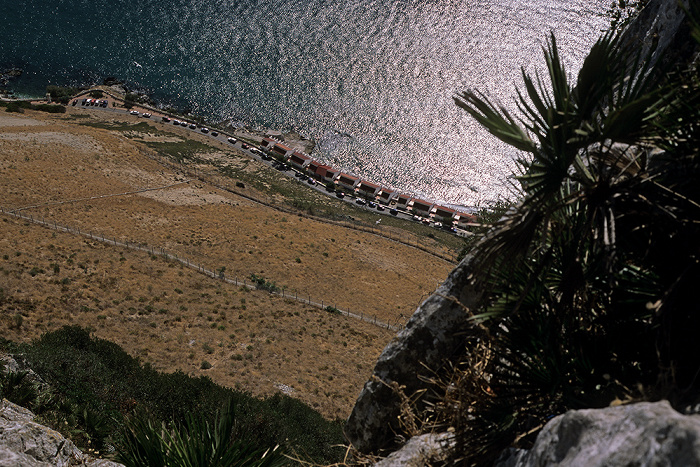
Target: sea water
column 371, row 81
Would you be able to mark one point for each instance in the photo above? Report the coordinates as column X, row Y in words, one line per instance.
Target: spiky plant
column 591, row 276
column 195, row 443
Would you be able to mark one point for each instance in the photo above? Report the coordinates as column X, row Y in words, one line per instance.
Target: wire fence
column 325, row 305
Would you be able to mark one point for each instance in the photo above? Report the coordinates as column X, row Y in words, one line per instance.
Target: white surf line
column 77, row 200
column 371, row 319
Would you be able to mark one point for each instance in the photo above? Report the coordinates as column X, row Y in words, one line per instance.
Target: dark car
column 393, row 211
column 166, row 119
column 380, row 207
column 372, row 204
column 360, row 201
column 340, row 195
column 215, row 133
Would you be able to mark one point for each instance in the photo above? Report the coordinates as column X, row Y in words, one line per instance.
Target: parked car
column 245, row 146
column 393, row 211
column 134, row 112
column 204, row 129
column 176, row 122
column 372, row 204
column 146, row 115
column 380, row 207
column 193, row 126
column 340, row 195
column 185, row 124
column 215, row 133
column 166, row 119
column 232, row 140
column 311, row 181
column 360, row 201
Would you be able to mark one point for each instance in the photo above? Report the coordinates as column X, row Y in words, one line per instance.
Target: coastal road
column 115, row 105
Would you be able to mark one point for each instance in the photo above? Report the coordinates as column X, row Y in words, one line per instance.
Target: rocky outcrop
column 420, row 451
column 643, row 434
column 662, row 24
column 25, row 443
column 432, row 335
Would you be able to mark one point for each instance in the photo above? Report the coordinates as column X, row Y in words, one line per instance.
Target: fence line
column 323, row 305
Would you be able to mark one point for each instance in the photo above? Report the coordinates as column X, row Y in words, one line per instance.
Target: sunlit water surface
column 371, row 81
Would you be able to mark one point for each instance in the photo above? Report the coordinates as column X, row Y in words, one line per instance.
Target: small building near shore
column 299, row 160
column 386, row 195
column 312, row 168
column 463, row 219
column 276, row 148
column 349, row 182
column 402, row 201
column 327, row 173
column 367, row 189
column 420, row 206
column 443, row 214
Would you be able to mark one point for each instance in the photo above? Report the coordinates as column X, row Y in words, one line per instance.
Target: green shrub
column 263, row 284
column 195, row 443
column 98, row 376
column 50, row 108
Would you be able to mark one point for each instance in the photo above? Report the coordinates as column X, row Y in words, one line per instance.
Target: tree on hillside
column 591, row 275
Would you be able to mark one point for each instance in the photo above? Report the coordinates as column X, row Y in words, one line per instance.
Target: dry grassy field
column 88, row 169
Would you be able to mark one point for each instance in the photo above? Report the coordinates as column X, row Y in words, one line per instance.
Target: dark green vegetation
column 99, row 396
column 62, row 94
column 194, row 443
column 590, row 279
column 19, row 106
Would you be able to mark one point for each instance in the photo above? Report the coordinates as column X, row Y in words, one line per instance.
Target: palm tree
column 591, row 276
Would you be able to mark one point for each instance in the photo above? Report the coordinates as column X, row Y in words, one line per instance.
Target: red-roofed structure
column 420, row 206
column 368, row 189
column 299, row 160
column 386, row 195
column 347, row 181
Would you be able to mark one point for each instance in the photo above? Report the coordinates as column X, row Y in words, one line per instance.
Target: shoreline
column 298, row 144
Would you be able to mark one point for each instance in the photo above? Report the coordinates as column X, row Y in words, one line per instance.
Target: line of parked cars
column 91, row 102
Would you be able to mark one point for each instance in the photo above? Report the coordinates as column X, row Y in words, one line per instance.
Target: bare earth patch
column 174, row 317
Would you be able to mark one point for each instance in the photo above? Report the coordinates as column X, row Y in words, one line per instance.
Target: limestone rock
column 25, row 443
column 662, row 23
column 642, row 434
column 419, row 451
column 431, row 336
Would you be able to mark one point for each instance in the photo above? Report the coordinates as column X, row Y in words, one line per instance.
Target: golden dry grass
column 172, row 316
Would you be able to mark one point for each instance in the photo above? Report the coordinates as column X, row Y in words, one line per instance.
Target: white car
column 232, row 140
column 134, row 112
